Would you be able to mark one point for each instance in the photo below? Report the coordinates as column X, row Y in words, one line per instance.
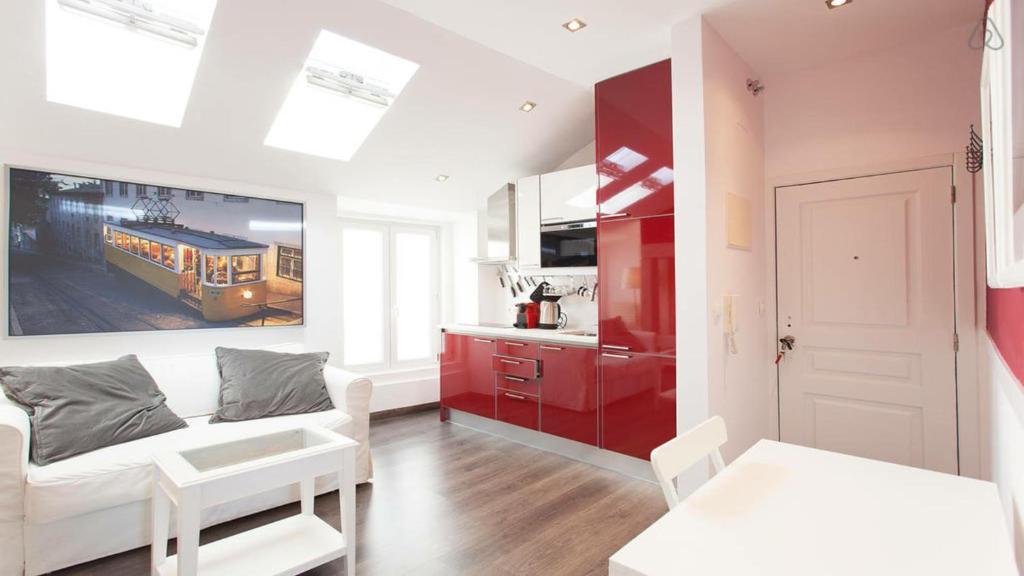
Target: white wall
column 913, row 101
column 1006, row 433
column 691, row 235
column 321, row 331
column 738, row 382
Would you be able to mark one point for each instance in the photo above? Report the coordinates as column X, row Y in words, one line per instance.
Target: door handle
column 616, row 215
column 622, row 356
column 554, row 348
column 788, row 342
column 610, row 346
column 482, row 341
column 516, row 396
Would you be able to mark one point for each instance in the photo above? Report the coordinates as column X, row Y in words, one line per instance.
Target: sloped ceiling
column 458, row 116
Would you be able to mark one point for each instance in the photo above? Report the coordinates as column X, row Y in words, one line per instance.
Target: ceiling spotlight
column 442, row 178
column 837, row 3
column 575, row 25
column 528, row 106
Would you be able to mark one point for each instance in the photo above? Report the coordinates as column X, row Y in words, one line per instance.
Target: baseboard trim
column 627, row 465
column 404, row 411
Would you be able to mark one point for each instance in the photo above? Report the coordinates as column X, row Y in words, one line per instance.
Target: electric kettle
column 551, row 316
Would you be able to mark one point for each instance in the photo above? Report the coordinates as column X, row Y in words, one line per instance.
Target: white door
column 865, row 286
column 568, row 195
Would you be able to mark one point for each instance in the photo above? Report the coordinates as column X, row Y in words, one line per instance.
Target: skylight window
column 131, row 58
column 339, row 96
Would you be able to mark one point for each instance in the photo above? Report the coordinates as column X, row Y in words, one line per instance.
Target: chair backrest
column 677, row 455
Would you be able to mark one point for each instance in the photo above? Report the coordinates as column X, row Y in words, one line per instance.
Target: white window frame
column 391, row 312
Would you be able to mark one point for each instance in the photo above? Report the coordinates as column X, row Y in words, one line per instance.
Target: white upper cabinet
column 528, row 221
column 569, row 195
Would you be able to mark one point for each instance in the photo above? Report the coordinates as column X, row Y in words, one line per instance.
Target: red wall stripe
column 1006, row 326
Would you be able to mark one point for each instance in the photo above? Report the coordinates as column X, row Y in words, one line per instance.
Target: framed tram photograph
column 91, row 255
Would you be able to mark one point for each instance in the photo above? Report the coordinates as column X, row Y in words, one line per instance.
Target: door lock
column 788, row 342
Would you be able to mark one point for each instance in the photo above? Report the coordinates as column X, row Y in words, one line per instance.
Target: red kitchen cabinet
column 518, row 408
column 638, row 402
column 636, row 275
column 568, row 406
column 634, row 143
column 467, row 380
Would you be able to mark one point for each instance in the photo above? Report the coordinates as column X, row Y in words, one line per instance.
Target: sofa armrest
column 351, row 394
column 15, row 434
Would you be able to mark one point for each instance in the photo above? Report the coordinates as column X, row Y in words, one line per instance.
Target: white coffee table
column 202, row 477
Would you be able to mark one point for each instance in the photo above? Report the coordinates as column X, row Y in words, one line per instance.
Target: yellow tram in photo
column 220, row 276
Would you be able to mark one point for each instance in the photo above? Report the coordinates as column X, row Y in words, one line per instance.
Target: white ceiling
column 621, row 35
column 776, row 37
column 458, row 115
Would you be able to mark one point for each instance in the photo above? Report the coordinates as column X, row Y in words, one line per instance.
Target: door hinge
column 956, row 342
column 952, row 194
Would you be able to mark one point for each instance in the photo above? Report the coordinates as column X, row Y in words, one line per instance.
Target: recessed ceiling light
column 528, row 106
column 442, row 178
column 575, row 25
column 837, row 3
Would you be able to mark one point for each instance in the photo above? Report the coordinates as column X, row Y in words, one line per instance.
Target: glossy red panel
column 467, row 380
column 634, row 142
column 517, row 348
column 638, row 402
column 636, row 279
column 569, row 392
column 521, row 367
column 519, row 409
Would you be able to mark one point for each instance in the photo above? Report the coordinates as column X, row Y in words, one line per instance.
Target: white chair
column 675, row 456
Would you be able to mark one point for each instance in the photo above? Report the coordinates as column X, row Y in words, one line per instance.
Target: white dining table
column 786, row 510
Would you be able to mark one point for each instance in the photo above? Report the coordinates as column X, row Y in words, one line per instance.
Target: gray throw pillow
column 77, row 409
column 259, row 383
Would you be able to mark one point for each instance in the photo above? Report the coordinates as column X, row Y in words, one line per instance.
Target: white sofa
column 97, row 504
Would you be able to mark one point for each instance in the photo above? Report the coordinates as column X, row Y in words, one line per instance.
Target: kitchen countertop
column 532, row 334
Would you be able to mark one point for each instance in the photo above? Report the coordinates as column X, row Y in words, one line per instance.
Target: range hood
column 498, row 228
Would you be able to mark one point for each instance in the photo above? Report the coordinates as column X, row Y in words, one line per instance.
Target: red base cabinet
column 518, row 408
column 569, row 404
column 467, row 379
column 638, row 402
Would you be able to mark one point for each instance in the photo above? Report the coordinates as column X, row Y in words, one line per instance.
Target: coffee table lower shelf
column 283, row 548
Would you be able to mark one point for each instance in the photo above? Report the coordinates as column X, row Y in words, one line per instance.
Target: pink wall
column 895, row 104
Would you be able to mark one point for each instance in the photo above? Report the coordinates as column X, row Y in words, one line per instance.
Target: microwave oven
column 568, row 245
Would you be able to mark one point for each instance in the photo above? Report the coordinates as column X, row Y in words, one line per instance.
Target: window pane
column 154, row 251
column 363, row 286
column 169, row 257
column 245, row 268
column 135, row 244
column 143, row 247
column 414, row 295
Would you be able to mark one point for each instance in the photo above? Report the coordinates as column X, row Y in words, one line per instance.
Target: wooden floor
column 450, row 500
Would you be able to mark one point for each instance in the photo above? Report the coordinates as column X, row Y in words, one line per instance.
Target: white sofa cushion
column 121, row 474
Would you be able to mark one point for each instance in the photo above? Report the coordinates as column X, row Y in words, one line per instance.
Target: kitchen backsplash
column 498, row 305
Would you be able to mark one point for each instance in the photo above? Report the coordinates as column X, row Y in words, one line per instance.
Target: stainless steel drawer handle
column 482, row 341
column 622, row 356
column 514, row 379
column 510, row 362
column 615, row 347
column 516, row 396
column 518, row 344
column 616, row 215
column 555, row 348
